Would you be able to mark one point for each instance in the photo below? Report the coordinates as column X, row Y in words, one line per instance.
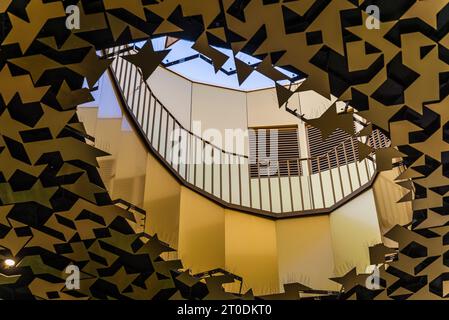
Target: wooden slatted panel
column 287, row 151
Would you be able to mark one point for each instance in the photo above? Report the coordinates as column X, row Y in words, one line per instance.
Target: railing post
column 312, row 197
column 221, row 174
column 347, row 168
column 127, row 83
column 280, row 187
column 160, row 129
column 321, row 182
column 250, row 185
column 166, row 136
column 339, row 173
column 260, row 184
column 269, row 186
column 203, row 159
column 119, row 78
column 187, row 155
column 300, row 185
column 290, row 183
column 230, row 178
column 332, row 178
column 356, row 158
column 195, row 150
column 368, row 174
column 153, row 123
column 133, row 93
column 213, row 170
column 148, row 110
column 240, row 180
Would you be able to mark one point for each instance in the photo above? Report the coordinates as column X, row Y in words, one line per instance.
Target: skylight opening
column 196, row 67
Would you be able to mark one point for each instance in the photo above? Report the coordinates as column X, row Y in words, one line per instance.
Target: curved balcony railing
column 322, row 184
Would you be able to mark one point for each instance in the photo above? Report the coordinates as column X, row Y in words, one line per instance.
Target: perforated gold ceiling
column 55, row 210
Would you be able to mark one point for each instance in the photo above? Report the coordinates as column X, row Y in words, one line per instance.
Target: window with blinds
column 338, row 149
column 274, row 152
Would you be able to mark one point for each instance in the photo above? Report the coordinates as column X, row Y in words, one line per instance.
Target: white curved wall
column 174, row 92
column 218, row 109
column 221, row 108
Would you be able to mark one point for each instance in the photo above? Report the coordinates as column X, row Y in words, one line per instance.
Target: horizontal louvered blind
column 277, row 147
column 337, row 150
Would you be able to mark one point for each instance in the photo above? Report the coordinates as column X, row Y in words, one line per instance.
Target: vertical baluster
column 230, row 178
column 312, row 197
column 203, row 158
column 339, row 172
column 147, row 103
column 147, row 108
column 321, row 183
column 332, row 178
column 141, row 106
column 166, row 135
column 179, row 142
column 356, row 162
column 221, row 174
column 122, row 79
column 290, row 183
column 213, row 170
column 240, row 179
column 116, row 62
column 188, row 155
column 133, row 95
column 120, row 60
column 280, row 187
column 250, row 185
column 153, row 122
column 194, row 160
column 140, row 122
column 347, row 167
column 269, row 185
column 144, row 103
column 260, row 183
column 160, row 129
column 368, row 175
column 300, row 184
column 125, row 82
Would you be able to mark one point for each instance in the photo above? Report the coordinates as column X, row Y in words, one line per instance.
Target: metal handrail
column 287, row 188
